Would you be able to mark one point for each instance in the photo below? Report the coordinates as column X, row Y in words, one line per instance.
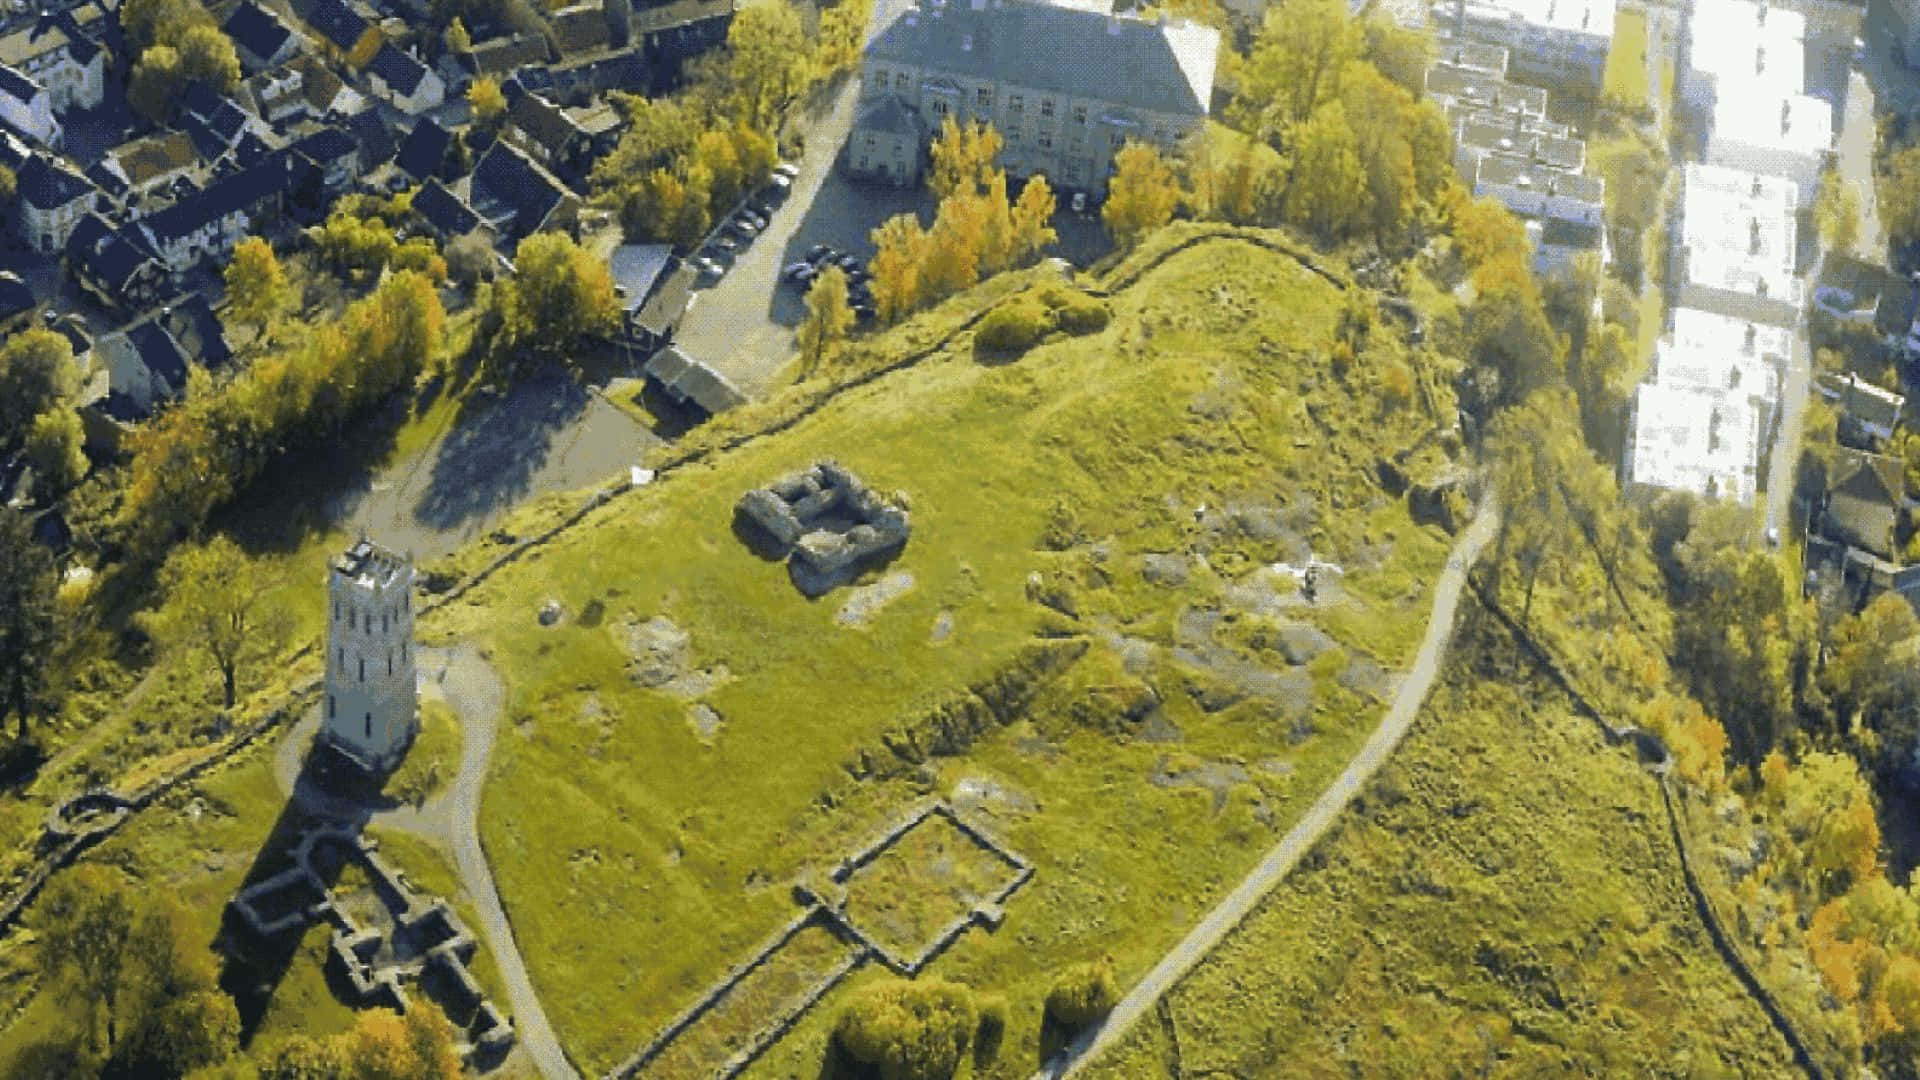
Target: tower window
column 369, row 725
column 383, row 624
column 341, row 655
column 389, row 661
column 330, row 704
column 363, row 669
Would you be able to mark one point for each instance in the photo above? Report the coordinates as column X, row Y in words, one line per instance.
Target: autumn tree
column 37, row 372
column 207, row 56
column 457, row 38
column 1487, row 235
column 1032, row 220
column 559, row 297
column 1514, row 348
column 1241, row 185
column 899, row 250
column 56, row 450
column 1898, row 189
column 1400, row 53
column 213, row 605
column 909, row 1030
column 1295, row 65
column 257, row 289
column 951, row 257
column 1083, row 993
column 1142, row 194
column 1836, row 212
column 86, row 927
column 769, row 60
column 384, row 1045
column 28, row 582
column 487, row 101
column 1328, row 190
column 1869, row 675
column 964, row 156
column 828, row 319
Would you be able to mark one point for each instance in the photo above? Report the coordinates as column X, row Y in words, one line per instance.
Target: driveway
column 1854, row 158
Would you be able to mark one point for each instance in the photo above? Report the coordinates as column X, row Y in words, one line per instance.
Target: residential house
column 424, row 151
column 1745, row 84
column 1557, row 41
column 654, row 289
column 582, row 29
column 336, row 154
column 1478, row 135
column 1734, row 249
column 260, row 39
column 446, row 215
column 144, row 363
column 516, row 195
column 887, row 143
column 375, row 138
column 115, row 265
column 199, row 331
column 1695, row 439
column 1861, row 507
column 1452, row 87
column 146, row 165
column 326, row 94
column 1130, row 80
column 209, row 223
column 215, row 122
column 404, row 81
column 666, row 35
column 276, row 96
column 1562, row 210
column 1868, row 413
column 28, row 107
column 1465, row 54
column 500, row 57
column 550, row 136
column 340, row 26
column 56, row 52
column 17, row 305
column 690, row 382
column 52, row 198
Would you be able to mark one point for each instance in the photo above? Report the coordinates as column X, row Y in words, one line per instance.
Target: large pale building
column 1563, row 42
column 1065, row 87
column 372, row 710
column 1745, row 84
column 1734, row 250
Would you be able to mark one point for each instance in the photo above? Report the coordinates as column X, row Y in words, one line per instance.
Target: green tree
column 1328, row 191
column 1032, row 220
column 28, row 582
column 908, row 1030
column 207, row 56
column 149, row 22
column 182, row 1019
column 487, row 101
column 1899, row 195
column 9, row 184
column 56, row 450
column 257, row 290
column 829, row 317
column 301, row 1057
column 1397, row 52
column 769, row 60
column 1869, row 674
column 458, row 40
column 86, row 925
column 1142, row 195
column 155, row 82
column 559, row 297
column 37, row 372
column 899, row 250
column 1511, row 342
column 1836, row 212
column 213, row 604
column 1297, row 59
column 1083, row 993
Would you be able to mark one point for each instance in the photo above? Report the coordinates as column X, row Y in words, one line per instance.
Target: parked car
column 758, row 221
column 863, row 312
column 800, row 272
column 858, row 275
column 762, row 207
column 848, row 263
column 787, row 169
column 1079, row 202
column 707, row 267
column 779, row 186
column 743, row 228
column 817, row 252
column 726, row 243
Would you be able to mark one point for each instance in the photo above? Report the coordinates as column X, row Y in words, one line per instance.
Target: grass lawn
column 1624, row 83
column 434, row 757
column 1503, row 897
column 640, row 861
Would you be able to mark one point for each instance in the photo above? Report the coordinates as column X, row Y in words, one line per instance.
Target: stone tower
column 372, row 708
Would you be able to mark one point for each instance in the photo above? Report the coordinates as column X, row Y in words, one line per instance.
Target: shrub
column 909, row 1030
column 1082, row 315
column 991, row 1031
column 1083, row 994
column 1012, row 328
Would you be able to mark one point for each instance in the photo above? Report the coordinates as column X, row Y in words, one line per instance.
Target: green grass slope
column 1503, row 900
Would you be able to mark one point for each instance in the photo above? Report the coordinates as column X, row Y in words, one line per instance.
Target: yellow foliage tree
column 900, row 246
column 1142, row 195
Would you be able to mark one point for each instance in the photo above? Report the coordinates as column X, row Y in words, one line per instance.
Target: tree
column 213, row 604
column 964, row 156
column 899, row 249
column 1142, row 194
column 28, row 582
column 155, row 82
column 1296, row 62
column 828, row 318
column 207, row 56
column 149, row 22
column 9, row 184
column 559, row 296
column 1083, row 993
column 486, row 99
column 908, row 1030
column 1869, row 670
column 55, row 449
column 86, row 926
column 1397, row 52
column 458, row 40
column 182, row 1020
column 1836, row 212
column 1328, row 192
column 1032, row 220
column 383, row 1045
column 1486, row 234
column 256, row 284
column 1899, row 195
column 769, row 60
column 37, row 372
column 301, row 1057
column 951, row 259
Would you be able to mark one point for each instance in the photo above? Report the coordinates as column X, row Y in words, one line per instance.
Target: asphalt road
column 1286, row 854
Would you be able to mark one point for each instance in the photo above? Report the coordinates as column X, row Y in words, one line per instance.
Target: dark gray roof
column 159, row 352
column 655, row 18
column 688, row 379
column 503, row 55
column 47, row 184
column 1499, row 169
column 240, row 191
column 327, row 145
column 1043, row 47
column 543, row 122
column 1485, row 90
column 1861, row 502
column 636, row 268
column 198, row 331
column 111, row 258
column 1569, row 234
column 424, row 148
column 889, row 114
column 18, row 86
column 337, row 22
column 401, row 73
column 15, row 296
column 507, row 178
column 443, row 211
column 257, row 30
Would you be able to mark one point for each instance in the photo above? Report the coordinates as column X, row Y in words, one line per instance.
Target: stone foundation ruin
column 825, row 522
column 419, row 942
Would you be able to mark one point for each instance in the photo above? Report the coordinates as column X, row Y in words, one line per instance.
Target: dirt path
column 1300, row 839
column 450, row 821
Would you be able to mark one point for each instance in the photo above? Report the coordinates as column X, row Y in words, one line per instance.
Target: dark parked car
column 847, row 263
column 799, row 272
column 863, row 312
column 757, row 221
column 818, row 252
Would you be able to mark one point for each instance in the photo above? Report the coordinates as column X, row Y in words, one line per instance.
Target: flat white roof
column 1756, row 116
column 1578, row 16
column 1739, row 41
column 1695, row 329
column 1738, row 231
column 1690, row 439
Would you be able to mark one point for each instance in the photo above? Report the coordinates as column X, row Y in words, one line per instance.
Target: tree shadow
column 498, row 444
column 252, row 967
column 837, row 1064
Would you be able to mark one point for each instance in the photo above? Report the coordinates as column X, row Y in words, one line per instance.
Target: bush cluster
column 916, row 1030
column 1083, row 994
column 1015, row 327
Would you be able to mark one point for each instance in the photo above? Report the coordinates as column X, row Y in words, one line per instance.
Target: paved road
column 1319, row 818
column 451, row 820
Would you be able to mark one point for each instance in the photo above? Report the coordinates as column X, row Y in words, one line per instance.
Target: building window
column 1014, row 104
column 1079, row 114
column 1045, row 140
column 383, row 624
column 389, row 661
column 369, row 725
column 342, row 652
column 330, row 704
column 879, row 78
column 939, row 107
column 870, row 139
column 900, row 81
column 336, row 611
column 1076, row 141
column 403, row 652
column 363, row 669
column 863, row 162
column 1046, row 106
column 1013, row 133
column 983, row 97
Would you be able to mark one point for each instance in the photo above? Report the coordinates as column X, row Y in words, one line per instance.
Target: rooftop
column 401, row 73
column 1165, row 67
column 257, row 30
column 1581, row 16
column 17, row 86
column 1518, row 172
column 1463, row 86
column 1764, row 117
column 1737, row 232
column 1483, row 131
column 369, row 565
column 1750, row 43
column 1472, row 56
column 50, row 32
column 145, row 160
column 1710, row 351
column 1686, row 438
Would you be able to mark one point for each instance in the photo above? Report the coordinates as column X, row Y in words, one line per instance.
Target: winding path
column 450, row 820
column 1319, row 818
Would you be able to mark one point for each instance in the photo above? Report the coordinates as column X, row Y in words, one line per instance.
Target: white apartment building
column 1695, row 439
column 1065, row 87
column 1745, row 83
column 1556, row 41
column 1734, row 245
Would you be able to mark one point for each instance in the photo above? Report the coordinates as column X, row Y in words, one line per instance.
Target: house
column 1695, row 439
column 115, row 265
column 144, row 364
column 550, row 136
column 28, row 107
column 887, row 144
column 1866, row 411
column 375, row 139
column 56, row 52
column 17, row 304
column 1853, row 291
column 444, row 214
column 666, row 35
column 517, row 196
column 1562, row 211
column 581, row 29
column 424, row 151
column 500, row 57
column 326, row 94
column 143, row 166
column 199, row 332
column 52, row 198
column 1130, row 80
column 214, row 122
column 259, row 37
column 1745, row 87
column 404, row 81
column 335, row 153
column 342, row 27
column 689, row 382
column 209, row 223
column 655, row 292
column 1451, row 87
column 1734, row 249
column 1563, row 42
column 275, row 96
column 1478, row 135
column 1861, row 507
